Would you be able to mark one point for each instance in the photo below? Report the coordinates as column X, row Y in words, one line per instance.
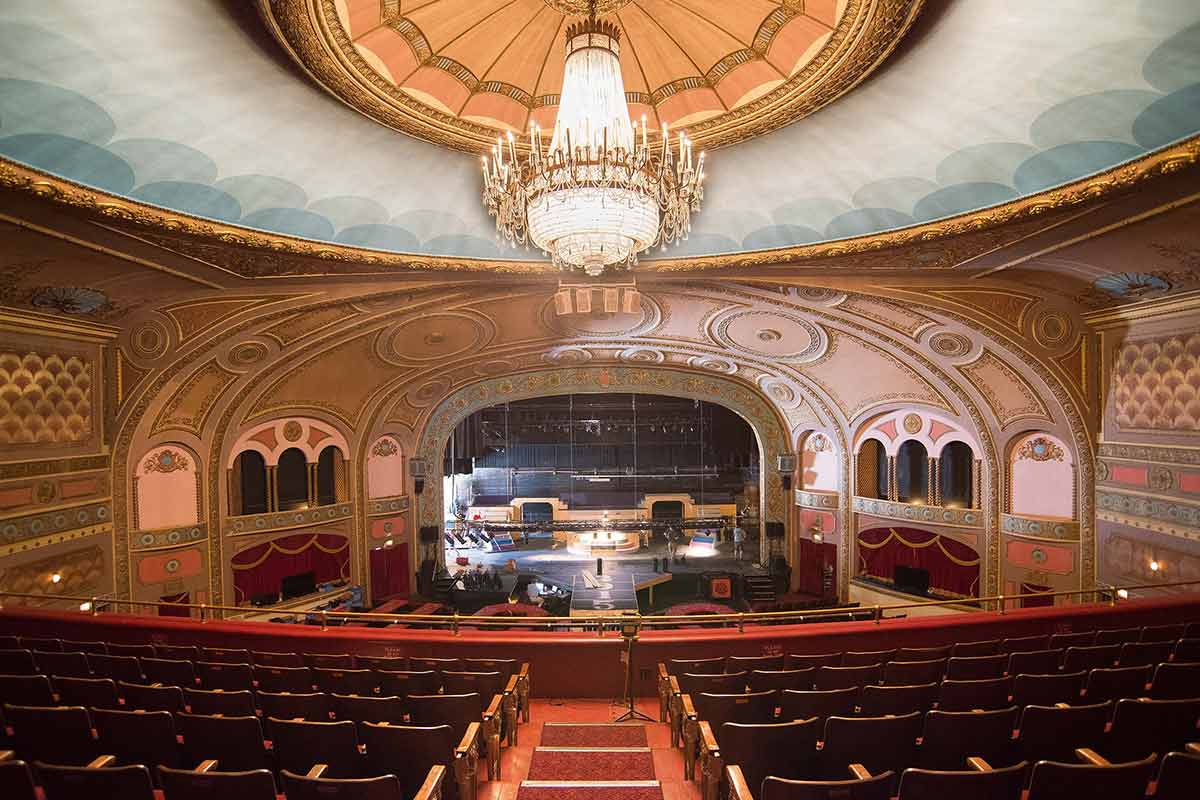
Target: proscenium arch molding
column 760, row 414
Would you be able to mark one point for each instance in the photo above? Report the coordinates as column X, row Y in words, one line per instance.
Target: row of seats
column 101, row 779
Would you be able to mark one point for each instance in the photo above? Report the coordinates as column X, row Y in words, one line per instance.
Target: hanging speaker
column 785, row 465
column 417, row 467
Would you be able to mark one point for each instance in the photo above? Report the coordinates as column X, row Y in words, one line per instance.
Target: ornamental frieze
column 385, row 506
column 1041, row 528
column 283, row 520
column 167, row 537
column 1169, row 511
column 59, row 520
column 934, row 515
column 827, row 500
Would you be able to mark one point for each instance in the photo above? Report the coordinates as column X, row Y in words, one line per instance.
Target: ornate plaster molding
column 933, row 515
column 285, row 520
column 167, row 538
column 821, row 500
column 1042, row 528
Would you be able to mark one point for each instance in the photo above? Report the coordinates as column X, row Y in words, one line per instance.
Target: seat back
column 717, row 683
column 877, row 787
column 283, row 679
column 865, row 658
column 346, row 681
column 151, row 698
column 1178, row 777
column 185, row 784
column 1140, row 727
column 880, row 744
column 487, row 684
column 974, row 668
column 169, row 672
column 84, row 647
column 269, row 659
column 1053, row 780
column 424, row 663
column 29, row 690
column 1046, row 690
column 996, row 784
column 717, row 709
column 369, row 709
column 408, row 752
column 1034, row 662
column 329, row 660
column 300, row 745
column 988, row 647
column 43, row 644
column 907, row 673
column 381, row 663
column 1024, row 644
column 227, row 676
column 17, row 661
column 1164, row 633
column 951, row 737
column 1052, row 734
column 813, row 660
column 16, row 781
column 760, row 680
column 118, row 667
column 402, row 684
column 922, row 653
column 986, row 694
column 299, row 787
column 1117, row 636
column 225, row 655
column 231, row 704
column 86, row 692
column 878, row 701
column 10, row 642
column 505, row 666
column 235, row 742
column 67, row 665
column 308, row 706
column 1116, row 683
column 1090, row 657
column 846, row 677
column 58, row 735
column 749, row 663
column 79, row 783
column 1186, row 650
column 696, row 666
column 132, row 650
column 782, row 749
column 1061, row 641
column 1175, row 681
column 821, row 704
column 456, row 710
column 177, row 652
column 1144, row 654
column 137, row 737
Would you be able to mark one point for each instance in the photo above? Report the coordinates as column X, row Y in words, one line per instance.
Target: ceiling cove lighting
column 601, row 191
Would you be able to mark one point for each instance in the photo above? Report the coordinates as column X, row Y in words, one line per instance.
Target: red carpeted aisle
column 591, row 761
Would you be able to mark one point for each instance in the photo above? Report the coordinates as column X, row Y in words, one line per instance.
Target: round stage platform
column 602, row 542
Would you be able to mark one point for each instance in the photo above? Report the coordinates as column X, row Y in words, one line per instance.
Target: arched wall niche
column 306, row 434
column 385, row 467
column 931, row 429
column 762, row 416
column 166, row 488
column 1042, row 479
column 819, row 464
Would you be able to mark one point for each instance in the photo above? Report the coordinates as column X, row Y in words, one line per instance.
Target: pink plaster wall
column 166, row 493
column 395, row 528
column 1058, row 560
column 819, row 471
column 1042, row 488
column 385, row 468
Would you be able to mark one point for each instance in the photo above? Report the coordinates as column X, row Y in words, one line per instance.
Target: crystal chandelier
column 600, row 194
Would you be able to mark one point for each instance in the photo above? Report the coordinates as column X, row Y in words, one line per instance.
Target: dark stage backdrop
column 261, row 569
column 953, row 566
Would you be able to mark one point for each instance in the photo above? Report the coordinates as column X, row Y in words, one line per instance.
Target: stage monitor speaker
column 775, row 530
column 912, row 580
column 429, row 534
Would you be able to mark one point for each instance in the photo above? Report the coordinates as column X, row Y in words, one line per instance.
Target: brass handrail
column 735, row 619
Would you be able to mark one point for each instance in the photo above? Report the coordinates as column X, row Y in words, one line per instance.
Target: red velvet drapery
column 261, row 569
column 389, row 573
column 812, row 559
column 953, row 566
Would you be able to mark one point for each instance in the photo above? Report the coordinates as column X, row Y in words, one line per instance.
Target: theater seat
column 1049, row 733
column 96, row 781
column 310, row 706
column 717, row 683
column 878, row 701
column 1165, row 633
column 821, row 704
column 867, row 787
column 982, row 782
column 230, row 704
column 16, row 780
column 1096, row 779
column 853, row 658
column 785, row 750
column 1140, row 727
column 169, row 672
column 697, row 666
column 881, row 744
column 151, row 698
column 809, row 660
column 60, row 735
column 409, row 752
column 988, row 694
column 951, row 737
column 86, row 692
column 1046, row 690
column 402, row 684
column 1115, row 683
column 329, row 660
column 283, row 679
column 750, row 663
column 1035, row 662
column 235, row 742
column 312, row 787
column 1176, row 681
column 369, row 709
column 137, row 737
column 848, row 677
column 973, row 668
column 206, row 783
column 29, row 690
column 269, row 659
column 761, row 680
column 1178, row 777
column 300, row 745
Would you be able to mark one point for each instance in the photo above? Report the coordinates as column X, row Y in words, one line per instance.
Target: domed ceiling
column 188, row 116
column 458, row 72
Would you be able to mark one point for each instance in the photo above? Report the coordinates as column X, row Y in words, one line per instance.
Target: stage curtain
column 261, row 569
column 953, row 566
column 389, row 573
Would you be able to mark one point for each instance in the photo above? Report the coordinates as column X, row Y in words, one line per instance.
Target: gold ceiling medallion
column 313, row 34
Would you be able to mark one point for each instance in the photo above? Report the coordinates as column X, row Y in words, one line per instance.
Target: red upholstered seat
column 1167, row 633
column 232, row 704
column 17, row 662
column 177, row 652
column 785, row 750
column 1106, row 636
column 138, row 737
column 329, row 660
column 408, row 752
column 300, row 787
column 68, row 665
column 1092, row 657
column 1178, row 777
column 749, row 663
column 973, row 668
column 16, row 781
column 1116, row 683
column 283, row 679
column 382, row 663
column 1024, row 644
column 717, row 683
column 696, row 666
column 346, row 681
column 1061, row 641
column 58, row 735
column 922, row 653
column 369, row 709
column 117, row 667
column 299, row 745
column 846, row 677
column 987, row 647
column 225, row 655
column 151, row 698
column 813, row 660
column 1144, row 654
column 132, row 650
column 43, row 644
column 310, row 706
column 1046, row 690
column 227, row 676
column 169, row 672
column 907, row 673
column 269, row 659
column 1176, row 681
column 32, row 690
column 1141, row 727
column 1035, row 662
column 402, row 684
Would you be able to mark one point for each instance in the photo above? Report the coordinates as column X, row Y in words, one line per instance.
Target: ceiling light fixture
column 600, row 193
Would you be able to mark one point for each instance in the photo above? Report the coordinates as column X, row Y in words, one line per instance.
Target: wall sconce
column 1155, row 566
column 85, row 606
column 1123, row 594
column 56, row 578
column 817, row 535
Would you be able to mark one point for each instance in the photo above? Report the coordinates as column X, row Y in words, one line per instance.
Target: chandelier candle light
column 600, row 194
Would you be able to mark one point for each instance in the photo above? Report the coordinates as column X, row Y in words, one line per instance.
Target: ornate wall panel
column 83, row 569
column 46, row 398
column 190, row 405
column 1156, row 383
column 1009, row 396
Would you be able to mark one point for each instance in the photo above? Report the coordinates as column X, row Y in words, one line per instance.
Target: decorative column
column 235, row 490
column 893, row 487
column 312, row 485
column 931, row 482
column 272, row 488
column 341, row 474
column 976, row 476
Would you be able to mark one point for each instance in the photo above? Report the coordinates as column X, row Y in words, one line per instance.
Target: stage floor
column 557, row 566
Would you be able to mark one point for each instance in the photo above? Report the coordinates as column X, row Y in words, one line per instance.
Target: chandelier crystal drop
column 602, row 191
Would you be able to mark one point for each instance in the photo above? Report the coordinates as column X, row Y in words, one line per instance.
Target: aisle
column 570, row 750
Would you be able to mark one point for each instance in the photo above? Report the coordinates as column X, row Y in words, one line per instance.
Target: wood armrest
column 978, row 764
column 431, row 789
column 317, row 770
column 467, row 745
column 1193, row 747
column 511, row 686
column 207, row 765
column 524, row 671
column 662, row 671
column 1089, row 756
column 673, row 682
column 6, row 755
column 1062, row 705
column 493, row 708
column 689, row 710
column 738, row 788
column 102, row 762
column 860, row 772
column 708, row 742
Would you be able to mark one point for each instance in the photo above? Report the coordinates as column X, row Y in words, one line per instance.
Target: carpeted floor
column 592, row 735
column 590, row 793
column 591, row 765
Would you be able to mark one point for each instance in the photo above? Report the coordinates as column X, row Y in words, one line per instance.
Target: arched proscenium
column 764, row 420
